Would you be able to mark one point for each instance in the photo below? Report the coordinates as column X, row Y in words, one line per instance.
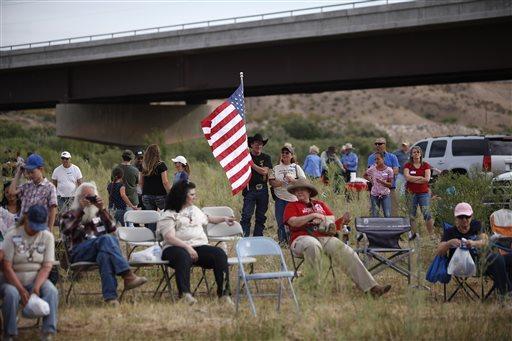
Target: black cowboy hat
column 257, row 137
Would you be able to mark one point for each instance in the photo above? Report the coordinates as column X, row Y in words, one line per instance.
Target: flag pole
column 242, row 79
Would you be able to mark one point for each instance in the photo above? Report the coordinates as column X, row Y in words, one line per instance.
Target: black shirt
column 475, row 229
column 262, row 160
column 153, row 184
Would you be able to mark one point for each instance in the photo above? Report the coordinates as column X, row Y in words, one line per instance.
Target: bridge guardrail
column 202, row 24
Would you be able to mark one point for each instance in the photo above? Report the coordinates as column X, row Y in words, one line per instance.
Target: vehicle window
column 501, row 147
column 468, row 147
column 423, row 146
column 437, row 149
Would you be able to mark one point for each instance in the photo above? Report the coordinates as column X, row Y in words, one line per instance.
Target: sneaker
column 134, row 282
column 189, row 299
column 226, row 300
column 46, row 337
column 379, row 290
column 112, row 303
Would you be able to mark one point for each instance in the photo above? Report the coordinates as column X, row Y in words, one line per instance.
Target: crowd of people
column 32, row 205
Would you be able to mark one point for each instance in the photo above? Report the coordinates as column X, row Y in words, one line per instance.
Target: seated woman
column 496, row 266
column 186, row 244
column 29, row 254
column 304, row 218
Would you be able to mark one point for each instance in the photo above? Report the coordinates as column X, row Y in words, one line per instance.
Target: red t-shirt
column 414, row 187
column 299, row 209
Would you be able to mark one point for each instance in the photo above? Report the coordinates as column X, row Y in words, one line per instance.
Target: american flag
column 225, row 132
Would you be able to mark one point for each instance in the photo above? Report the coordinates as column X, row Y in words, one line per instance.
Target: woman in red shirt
column 417, row 174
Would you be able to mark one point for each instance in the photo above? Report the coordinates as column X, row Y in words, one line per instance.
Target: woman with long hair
column 185, row 242
column 417, row 173
column 154, row 180
column 286, row 173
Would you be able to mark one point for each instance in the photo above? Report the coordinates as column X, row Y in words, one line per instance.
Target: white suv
column 491, row 153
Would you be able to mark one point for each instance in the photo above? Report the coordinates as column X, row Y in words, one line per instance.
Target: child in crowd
column 118, row 200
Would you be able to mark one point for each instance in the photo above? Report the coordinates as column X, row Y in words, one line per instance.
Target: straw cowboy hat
column 302, row 183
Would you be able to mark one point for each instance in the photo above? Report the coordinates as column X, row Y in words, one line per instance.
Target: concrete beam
column 128, row 124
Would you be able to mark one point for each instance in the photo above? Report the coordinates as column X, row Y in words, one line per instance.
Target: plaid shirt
column 75, row 231
column 31, row 194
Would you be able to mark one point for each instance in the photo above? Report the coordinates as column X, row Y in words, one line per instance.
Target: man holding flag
column 225, row 132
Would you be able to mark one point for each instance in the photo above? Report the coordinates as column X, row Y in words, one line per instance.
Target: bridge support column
column 130, row 124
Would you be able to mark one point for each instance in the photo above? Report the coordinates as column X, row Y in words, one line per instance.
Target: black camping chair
column 383, row 250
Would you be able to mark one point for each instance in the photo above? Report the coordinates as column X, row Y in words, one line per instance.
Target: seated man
column 88, row 226
column 304, row 218
column 495, row 265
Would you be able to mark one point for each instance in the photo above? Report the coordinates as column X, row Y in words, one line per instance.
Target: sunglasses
column 64, row 158
column 379, row 143
column 464, row 217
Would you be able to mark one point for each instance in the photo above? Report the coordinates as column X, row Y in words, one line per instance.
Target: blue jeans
column 119, row 216
column 423, row 201
column 254, row 199
column 105, row 251
column 152, row 202
column 383, row 202
column 11, row 302
column 280, row 205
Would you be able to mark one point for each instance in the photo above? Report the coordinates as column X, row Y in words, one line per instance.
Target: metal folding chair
column 139, row 235
column 141, row 217
column 259, row 247
column 383, row 250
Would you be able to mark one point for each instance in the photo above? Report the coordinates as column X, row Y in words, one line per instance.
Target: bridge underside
column 478, row 51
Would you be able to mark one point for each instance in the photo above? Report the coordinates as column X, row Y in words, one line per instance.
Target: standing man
column 130, row 177
column 390, row 160
column 66, row 178
column 38, row 191
column 256, row 193
column 139, row 157
column 349, row 161
column 402, row 155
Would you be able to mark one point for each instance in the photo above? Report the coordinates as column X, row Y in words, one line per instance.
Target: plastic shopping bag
column 36, row 307
column 437, row 272
column 462, row 265
column 151, row 254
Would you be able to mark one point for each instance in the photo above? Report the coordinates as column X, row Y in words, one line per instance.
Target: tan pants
column 311, row 249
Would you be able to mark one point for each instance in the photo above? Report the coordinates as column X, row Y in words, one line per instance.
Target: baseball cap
column 139, row 153
column 65, row 154
column 34, row 161
column 463, row 208
column 349, row 146
column 127, row 153
column 180, row 159
column 380, row 140
column 405, row 143
column 288, row 147
column 37, row 217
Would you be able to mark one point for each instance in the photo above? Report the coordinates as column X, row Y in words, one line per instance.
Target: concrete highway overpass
column 410, row 43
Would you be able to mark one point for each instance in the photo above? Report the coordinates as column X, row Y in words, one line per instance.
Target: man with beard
column 87, row 226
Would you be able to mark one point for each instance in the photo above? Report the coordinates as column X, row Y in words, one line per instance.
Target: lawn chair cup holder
column 383, row 235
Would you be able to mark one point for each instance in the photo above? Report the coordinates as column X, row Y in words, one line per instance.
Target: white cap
column 65, row 154
column 180, row 159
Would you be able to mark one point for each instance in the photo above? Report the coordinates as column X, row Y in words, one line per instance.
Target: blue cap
column 34, row 161
column 37, row 217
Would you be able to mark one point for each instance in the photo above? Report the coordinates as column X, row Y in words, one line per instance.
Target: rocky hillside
column 407, row 113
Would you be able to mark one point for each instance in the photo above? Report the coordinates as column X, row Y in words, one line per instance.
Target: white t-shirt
column 6, row 222
column 188, row 225
column 280, row 172
column 28, row 253
column 66, row 180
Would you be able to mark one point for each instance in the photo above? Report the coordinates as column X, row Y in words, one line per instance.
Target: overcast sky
column 41, row 20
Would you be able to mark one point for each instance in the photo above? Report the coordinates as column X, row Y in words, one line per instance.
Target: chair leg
column 249, row 296
column 293, row 295
column 279, row 293
column 238, row 294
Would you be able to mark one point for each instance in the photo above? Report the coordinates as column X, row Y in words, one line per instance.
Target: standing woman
column 286, row 173
column 381, row 177
column 153, row 180
column 313, row 163
column 182, row 169
column 417, row 173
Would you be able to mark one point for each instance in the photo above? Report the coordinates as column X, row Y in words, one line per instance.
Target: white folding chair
column 143, row 217
column 258, row 247
column 223, row 232
column 131, row 235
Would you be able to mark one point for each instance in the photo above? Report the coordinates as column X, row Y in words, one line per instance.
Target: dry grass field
column 334, row 310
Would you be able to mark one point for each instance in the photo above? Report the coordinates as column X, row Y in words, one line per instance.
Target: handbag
column 438, row 270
